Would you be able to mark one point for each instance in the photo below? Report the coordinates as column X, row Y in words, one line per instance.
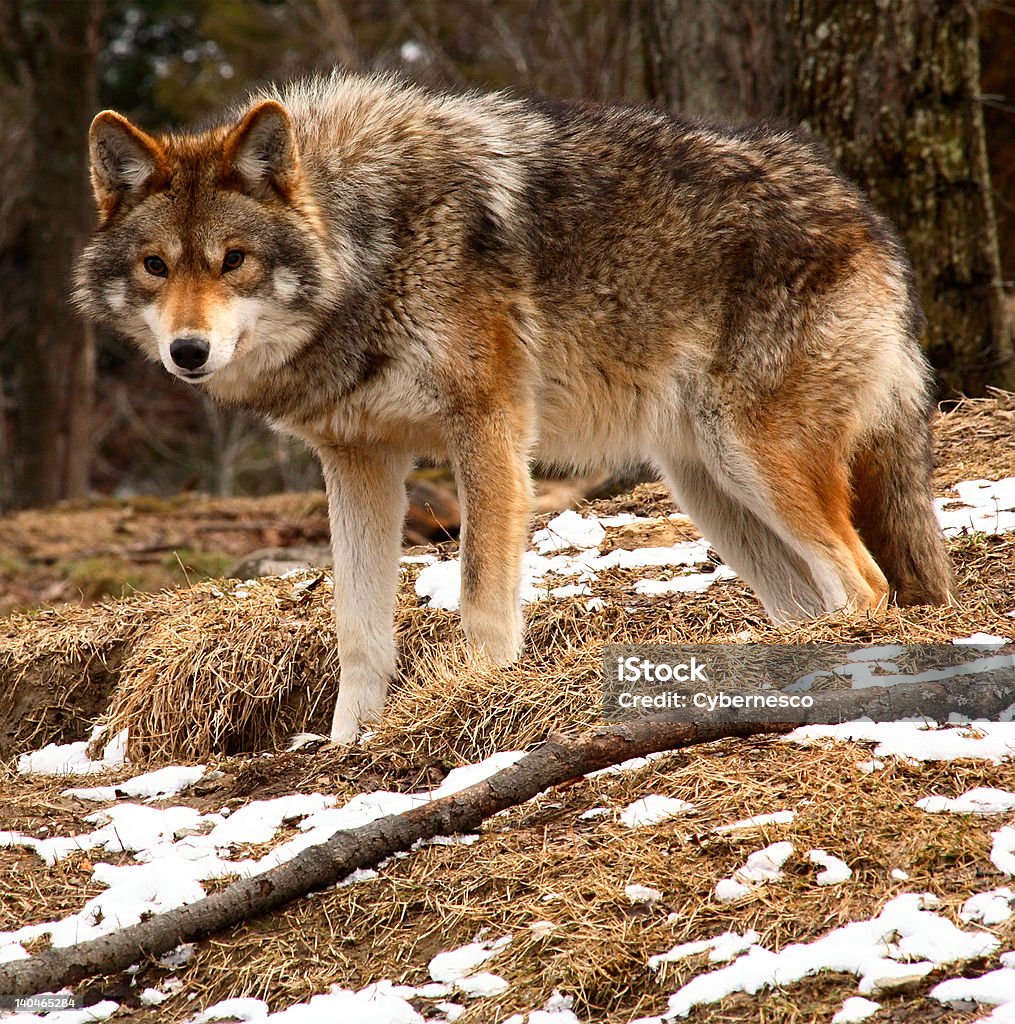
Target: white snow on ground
column 177, row 848
column 919, row 741
column 904, row 942
column 244, row 1009
column 760, row 867
column 482, row 984
column 439, row 583
column 97, row 1011
column 729, row 890
column 627, row 766
column 460, row 963
column 157, row 785
column 996, row 988
column 569, row 530
column 642, row 893
column 988, row 907
column 856, row 1008
column 73, row 759
column 835, row 870
column 556, row 1011
column 982, row 800
column 983, row 640
column 383, row 1003
column 1002, row 853
column 757, row 820
column 694, row 583
column 720, row 949
column 650, row 810
column 124, row 827
column 982, row 506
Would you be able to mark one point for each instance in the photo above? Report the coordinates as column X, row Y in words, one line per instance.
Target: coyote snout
column 190, row 353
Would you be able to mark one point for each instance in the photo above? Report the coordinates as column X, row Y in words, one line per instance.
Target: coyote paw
column 494, row 639
column 344, row 730
column 360, row 702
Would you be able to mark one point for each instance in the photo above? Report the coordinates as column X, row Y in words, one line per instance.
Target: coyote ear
column 261, row 150
column 124, row 160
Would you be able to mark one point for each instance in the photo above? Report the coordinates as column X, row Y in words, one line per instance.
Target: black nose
column 189, row 353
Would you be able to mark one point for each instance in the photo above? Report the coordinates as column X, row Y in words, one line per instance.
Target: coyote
column 387, row 271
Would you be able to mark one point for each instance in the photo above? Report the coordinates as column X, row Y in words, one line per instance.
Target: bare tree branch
column 558, row 760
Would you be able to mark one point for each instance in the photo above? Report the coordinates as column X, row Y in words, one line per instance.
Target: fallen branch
column 558, row 760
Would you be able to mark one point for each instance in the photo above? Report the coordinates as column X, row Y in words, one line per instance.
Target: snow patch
column 996, row 988
column 854, row 1009
column 904, row 942
column 836, row 870
column 981, row 506
column 73, row 759
column 569, row 530
column 761, row 867
column 981, row 800
column 642, row 894
column 720, row 949
column 918, row 741
column 456, row 964
column 157, row 785
column 775, row 818
column 1002, row 853
column 988, row 908
column 439, row 583
column 652, row 809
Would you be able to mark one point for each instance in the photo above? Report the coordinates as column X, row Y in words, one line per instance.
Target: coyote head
column 210, row 253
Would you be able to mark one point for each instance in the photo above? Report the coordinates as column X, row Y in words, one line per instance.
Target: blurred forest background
column 915, row 98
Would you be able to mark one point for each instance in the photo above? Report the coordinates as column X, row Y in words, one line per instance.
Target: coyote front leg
column 366, row 506
column 491, row 464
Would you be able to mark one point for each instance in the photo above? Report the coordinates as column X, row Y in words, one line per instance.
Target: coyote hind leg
column 806, row 497
column 756, row 553
column 784, row 526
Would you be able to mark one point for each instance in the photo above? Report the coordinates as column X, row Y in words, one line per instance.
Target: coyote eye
column 156, row 266
column 233, row 260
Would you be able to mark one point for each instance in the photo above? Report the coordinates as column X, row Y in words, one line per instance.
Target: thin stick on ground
column 558, row 760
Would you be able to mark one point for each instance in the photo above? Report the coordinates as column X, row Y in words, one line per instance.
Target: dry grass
column 974, row 440
column 203, row 672
column 542, row 862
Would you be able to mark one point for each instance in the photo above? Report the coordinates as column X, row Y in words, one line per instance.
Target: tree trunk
column 56, row 352
column 893, row 88
column 997, row 87
column 720, row 60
